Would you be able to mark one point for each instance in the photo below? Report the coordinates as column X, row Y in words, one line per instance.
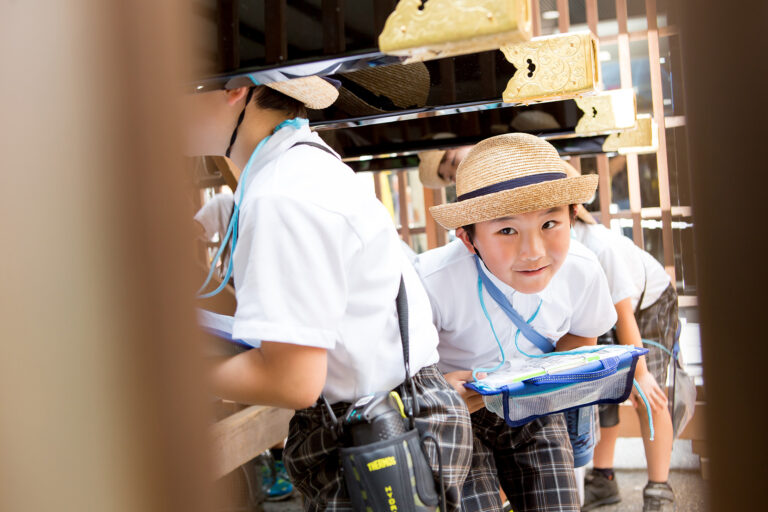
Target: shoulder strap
column 543, row 343
column 315, row 145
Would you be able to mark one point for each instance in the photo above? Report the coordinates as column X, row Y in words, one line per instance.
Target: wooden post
column 104, row 404
column 661, row 155
column 333, row 26
column 633, row 171
column 277, row 32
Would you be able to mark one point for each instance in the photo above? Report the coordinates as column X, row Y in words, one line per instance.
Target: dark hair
column 470, row 228
column 274, row 100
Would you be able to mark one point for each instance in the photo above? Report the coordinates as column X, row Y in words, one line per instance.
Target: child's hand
column 656, row 397
column 473, row 399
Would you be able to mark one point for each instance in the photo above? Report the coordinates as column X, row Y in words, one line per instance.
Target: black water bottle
column 374, row 418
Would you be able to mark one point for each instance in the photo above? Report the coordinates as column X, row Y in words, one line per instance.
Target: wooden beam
column 228, row 28
column 402, row 199
column 244, row 435
column 657, row 96
column 535, row 18
column 564, row 18
column 640, row 35
column 592, row 16
column 228, row 170
column 604, row 189
column 277, row 35
column 435, row 232
column 333, row 26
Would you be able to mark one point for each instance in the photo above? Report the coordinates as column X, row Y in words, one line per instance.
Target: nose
column 532, row 247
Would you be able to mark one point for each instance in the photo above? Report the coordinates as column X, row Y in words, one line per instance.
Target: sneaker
column 599, row 491
column 658, row 497
column 275, row 482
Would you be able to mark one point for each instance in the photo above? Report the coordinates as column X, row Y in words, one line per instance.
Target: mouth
column 533, row 272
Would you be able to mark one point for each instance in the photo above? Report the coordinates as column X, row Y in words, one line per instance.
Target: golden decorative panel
column 642, row 138
column 607, row 111
column 553, row 68
column 431, row 29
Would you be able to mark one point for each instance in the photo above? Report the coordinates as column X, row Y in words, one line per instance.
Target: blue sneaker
column 275, row 482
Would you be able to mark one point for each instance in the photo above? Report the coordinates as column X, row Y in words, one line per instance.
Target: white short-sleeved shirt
column 628, row 268
column 575, row 301
column 215, row 214
column 318, row 263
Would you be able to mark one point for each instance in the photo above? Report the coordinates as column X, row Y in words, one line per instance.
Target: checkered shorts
column 534, row 464
column 311, row 451
column 658, row 323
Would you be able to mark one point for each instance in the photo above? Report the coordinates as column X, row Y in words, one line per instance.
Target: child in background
column 646, row 304
column 513, row 215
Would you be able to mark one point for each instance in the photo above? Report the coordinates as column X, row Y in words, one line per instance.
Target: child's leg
column 658, row 323
column 659, row 451
column 609, row 433
column 481, row 488
column 534, row 462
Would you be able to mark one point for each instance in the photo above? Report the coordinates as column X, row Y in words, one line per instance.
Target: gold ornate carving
column 607, row 111
column 642, row 138
column 423, row 30
column 552, row 68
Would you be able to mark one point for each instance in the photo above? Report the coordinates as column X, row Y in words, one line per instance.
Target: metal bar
column 333, row 26
column 592, row 19
column 564, row 20
column 661, row 155
column 277, row 35
column 402, row 199
column 604, row 189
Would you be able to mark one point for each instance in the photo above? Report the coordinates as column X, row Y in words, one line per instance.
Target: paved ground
column 685, row 478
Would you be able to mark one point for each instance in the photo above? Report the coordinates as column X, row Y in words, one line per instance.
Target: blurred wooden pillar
column 728, row 187
column 103, row 407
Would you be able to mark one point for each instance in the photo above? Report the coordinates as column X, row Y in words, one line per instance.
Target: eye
column 549, row 224
column 507, row 231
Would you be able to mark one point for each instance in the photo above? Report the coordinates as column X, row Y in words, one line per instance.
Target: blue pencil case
column 604, row 375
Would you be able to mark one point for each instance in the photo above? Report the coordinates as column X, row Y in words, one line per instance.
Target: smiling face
column 526, row 250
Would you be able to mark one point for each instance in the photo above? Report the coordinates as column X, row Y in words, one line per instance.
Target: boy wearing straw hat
column 512, row 216
column 317, row 265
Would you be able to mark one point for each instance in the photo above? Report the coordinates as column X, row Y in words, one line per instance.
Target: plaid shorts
column 534, row 464
column 658, row 322
column 311, row 451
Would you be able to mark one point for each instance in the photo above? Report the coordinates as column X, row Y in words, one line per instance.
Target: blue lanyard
column 542, row 343
column 232, row 229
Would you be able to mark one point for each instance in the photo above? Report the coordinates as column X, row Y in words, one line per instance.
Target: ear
column 235, row 95
column 464, row 237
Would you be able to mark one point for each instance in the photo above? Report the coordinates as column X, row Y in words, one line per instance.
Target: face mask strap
column 239, row 121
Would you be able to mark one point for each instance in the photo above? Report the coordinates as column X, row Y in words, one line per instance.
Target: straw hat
column 508, row 175
column 429, row 163
column 382, row 89
column 313, row 91
column 581, row 212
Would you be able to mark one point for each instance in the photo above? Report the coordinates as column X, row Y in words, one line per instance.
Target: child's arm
column 629, row 334
column 279, row 374
column 570, row 341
